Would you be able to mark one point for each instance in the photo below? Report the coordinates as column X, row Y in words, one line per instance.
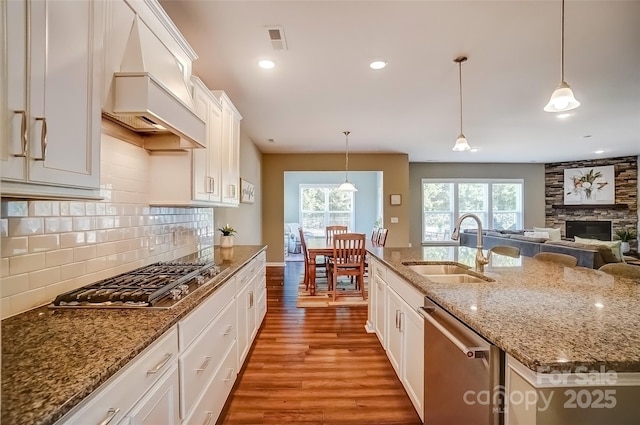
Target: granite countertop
column 546, row 316
column 53, row 358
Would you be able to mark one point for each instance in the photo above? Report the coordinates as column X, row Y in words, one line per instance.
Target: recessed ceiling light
column 266, row 64
column 599, row 151
column 377, row 64
column 563, row 116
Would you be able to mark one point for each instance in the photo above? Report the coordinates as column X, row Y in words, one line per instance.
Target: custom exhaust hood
column 150, row 95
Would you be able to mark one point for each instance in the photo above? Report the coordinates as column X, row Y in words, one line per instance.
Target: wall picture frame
column 589, row 185
column 247, row 192
column 395, row 199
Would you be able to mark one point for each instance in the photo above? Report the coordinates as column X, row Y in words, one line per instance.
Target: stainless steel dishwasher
column 463, row 372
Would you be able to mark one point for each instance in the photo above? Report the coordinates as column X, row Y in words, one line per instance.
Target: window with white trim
column 497, row 202
column 324, row 205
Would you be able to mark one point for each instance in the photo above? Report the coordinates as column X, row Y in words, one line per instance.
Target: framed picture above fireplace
column 589, row 185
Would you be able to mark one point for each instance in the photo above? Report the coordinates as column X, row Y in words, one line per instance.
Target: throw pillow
column 554, row 234
column 614, row 246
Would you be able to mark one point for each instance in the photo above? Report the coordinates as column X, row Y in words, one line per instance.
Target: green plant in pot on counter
column 226, row 240
column 625, row 235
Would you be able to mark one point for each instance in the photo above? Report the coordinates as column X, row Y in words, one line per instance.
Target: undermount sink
column 437, row 269
column 455, row 278
column 446, row 273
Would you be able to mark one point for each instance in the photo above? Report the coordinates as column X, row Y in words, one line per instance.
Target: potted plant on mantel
column 226, row 240
column 625, row 235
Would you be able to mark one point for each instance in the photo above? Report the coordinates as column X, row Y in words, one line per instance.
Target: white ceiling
column 322, row 84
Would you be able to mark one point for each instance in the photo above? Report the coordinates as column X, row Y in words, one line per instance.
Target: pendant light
column 347, row 186
column 562, row 98
column 461, row 141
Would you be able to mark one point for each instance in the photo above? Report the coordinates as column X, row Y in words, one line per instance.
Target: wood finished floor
column 315, row 366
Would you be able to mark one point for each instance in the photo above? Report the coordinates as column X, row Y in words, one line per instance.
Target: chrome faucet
column 481, row 260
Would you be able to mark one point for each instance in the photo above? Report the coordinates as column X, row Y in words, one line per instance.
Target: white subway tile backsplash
column 41, row 243
column 15, row 246
column 84, row 253
column 44, row 277
column 26, row 263
column 26, row 226
column 13, row 285
column 84, row 223
column 73, row 270
column 58, row 257
column 50, row 247
column 72, row 239
column 13, row 208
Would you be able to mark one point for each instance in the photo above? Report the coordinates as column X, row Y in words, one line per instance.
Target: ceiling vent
column 276, row 36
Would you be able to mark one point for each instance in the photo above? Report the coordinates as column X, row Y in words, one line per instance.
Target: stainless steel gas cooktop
column 158, row 285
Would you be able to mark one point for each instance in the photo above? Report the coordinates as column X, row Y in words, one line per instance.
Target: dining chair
column 347, row 260
column 510, row 251
column 333, row 230
column 307, row 259
column 622, row 270
column 375, row 234
column 556, row 257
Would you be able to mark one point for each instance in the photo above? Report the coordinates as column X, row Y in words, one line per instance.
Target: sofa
column 591, row 256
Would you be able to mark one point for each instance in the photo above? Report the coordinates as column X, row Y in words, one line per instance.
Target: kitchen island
column 52, row 359
column 558, row 326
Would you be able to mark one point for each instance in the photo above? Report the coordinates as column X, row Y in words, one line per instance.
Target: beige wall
column 532, row 174
column 246, row 219
column 395, row 169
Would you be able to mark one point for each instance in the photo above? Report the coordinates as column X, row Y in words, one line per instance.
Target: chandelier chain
column 562, row 44
column 346, row 165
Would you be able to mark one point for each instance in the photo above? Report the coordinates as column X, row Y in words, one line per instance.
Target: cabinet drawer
column 407, row 292
column 380, row 270
column 214, row 397
column 197, row 320
column 204, row 356
column 124, row 389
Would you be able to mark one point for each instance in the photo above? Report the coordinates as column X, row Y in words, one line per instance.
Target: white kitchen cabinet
column 207, row 162
column 160, row 405
column 400, row 328
column 128, row 389
column 377, row 297
column 51, row 109
column 230, row 151
column 246, row 318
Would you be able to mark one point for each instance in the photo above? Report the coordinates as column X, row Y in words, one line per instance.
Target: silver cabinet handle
column 208, row 419
column 229, row 375
column 160, row 365
column 228, row 330
column 397, row 319
column 250, row 299
column 204, row 365
column 470, row 352
column 23, row 134
column 110, row 415
column 43, row 139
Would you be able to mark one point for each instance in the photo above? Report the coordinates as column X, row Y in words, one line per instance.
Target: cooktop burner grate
column 142, row 287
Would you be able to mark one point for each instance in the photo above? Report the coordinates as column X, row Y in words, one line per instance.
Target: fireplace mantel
column 592, row 206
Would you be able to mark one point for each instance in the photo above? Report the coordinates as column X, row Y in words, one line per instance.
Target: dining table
column 319, row 247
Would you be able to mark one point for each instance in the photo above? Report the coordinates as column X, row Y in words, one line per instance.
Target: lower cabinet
column 186, row 375
column 160, row 405
column 400, row 329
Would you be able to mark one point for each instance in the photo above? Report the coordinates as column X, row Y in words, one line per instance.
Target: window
column 324, row 205
column 498, row 204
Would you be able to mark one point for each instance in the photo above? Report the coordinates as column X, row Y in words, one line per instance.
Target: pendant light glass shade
column 347, row 186
column 461, row 142
column 562, row 98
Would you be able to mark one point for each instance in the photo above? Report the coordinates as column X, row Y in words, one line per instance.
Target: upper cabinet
column 50, row 132
column 202, row 177
column 230, row 153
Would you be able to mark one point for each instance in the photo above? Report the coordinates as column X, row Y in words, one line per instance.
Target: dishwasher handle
column 470, row 352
